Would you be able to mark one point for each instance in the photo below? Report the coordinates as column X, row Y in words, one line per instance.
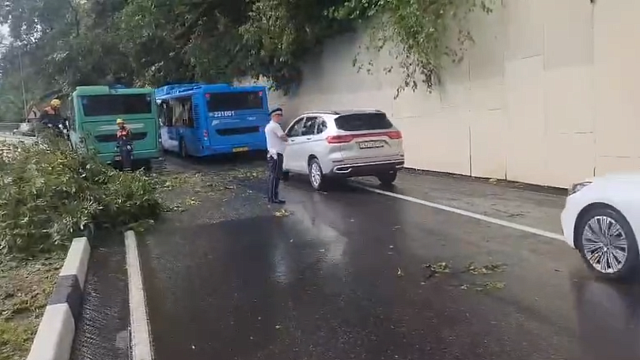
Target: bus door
column 168, row 132
column 184, row 129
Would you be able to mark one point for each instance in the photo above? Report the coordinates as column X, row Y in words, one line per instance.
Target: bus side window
column 182, row 114
column 177, row 113
column 189, row 120
column 166, row 114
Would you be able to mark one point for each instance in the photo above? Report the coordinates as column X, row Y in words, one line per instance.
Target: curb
column 54, row 338
column 141, row 344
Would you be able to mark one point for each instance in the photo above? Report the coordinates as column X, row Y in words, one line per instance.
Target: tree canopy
column 66, row 43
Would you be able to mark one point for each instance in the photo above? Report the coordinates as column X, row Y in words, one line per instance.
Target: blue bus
column 200, row 119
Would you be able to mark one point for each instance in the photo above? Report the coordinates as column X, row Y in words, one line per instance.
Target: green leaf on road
column 485, row 269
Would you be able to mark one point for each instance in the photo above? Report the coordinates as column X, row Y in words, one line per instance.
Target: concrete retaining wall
column 549, row 94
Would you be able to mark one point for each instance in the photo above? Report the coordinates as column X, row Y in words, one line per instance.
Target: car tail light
column 394, row 135
column 206, row 134
column 339, row 139
column 343, row 139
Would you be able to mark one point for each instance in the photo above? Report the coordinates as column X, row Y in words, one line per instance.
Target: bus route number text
column 223, row 113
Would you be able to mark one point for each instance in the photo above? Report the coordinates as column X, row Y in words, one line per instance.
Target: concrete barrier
column 54, row 338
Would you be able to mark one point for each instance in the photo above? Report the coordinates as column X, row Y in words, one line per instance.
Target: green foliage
column 154, row 42
column 282, row 34
column 50, row 192
column 418, row 33
column 65, row 43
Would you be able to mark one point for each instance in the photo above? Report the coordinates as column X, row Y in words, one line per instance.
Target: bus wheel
column 183, row 149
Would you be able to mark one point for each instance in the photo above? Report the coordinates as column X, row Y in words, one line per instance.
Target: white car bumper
column 568, row 220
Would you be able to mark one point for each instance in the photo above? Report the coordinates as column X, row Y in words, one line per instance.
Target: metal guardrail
column 8, row 127
column 17, row 128
column 10, row 132
column 17, row 138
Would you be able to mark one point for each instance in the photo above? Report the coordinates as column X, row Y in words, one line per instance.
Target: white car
column 601, row 219
column 343, row 144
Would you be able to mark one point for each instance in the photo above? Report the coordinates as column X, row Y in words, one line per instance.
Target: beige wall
column 549, row 94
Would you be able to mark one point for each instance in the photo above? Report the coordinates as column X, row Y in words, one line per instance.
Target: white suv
column 343, row 144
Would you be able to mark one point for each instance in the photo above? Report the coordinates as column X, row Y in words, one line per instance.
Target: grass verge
column 25, row 287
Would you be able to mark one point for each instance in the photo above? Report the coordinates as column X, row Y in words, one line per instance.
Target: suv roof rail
column 364, row 109
column 343, row 112
column 331, row 112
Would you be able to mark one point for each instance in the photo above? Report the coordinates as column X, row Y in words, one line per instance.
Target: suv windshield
column 234, row 101
column 111, row 105
column 363, row 122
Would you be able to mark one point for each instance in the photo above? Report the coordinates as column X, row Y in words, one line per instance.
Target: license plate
column 371, row 144
column 117, row 158
column 240, row 149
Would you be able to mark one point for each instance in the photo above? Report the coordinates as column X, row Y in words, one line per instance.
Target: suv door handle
column 292, row 140
column 309, row 138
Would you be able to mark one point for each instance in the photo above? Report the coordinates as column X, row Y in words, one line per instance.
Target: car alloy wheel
column 316, row 175
column 605, row 244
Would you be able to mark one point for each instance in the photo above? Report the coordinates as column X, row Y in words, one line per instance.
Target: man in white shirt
column 276, row 143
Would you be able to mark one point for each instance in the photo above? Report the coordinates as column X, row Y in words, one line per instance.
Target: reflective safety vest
column 124, row 133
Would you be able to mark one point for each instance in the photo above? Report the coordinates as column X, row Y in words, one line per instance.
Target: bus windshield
column 112, row 105
column 234, row 101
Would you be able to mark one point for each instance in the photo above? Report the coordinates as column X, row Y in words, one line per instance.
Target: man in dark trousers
column 276, row 143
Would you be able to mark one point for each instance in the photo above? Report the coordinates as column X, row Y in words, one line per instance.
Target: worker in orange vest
column 124, row 145
column 50, row 116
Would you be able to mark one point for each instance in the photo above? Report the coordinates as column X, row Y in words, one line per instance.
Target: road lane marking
column 466, row 213
column 138, row 315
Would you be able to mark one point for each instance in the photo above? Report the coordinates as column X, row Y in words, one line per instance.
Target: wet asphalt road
column 343, row 276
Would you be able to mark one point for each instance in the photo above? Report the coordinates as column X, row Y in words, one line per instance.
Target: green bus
column 92, row 122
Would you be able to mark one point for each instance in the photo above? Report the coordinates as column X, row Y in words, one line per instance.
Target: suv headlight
column 578, row 186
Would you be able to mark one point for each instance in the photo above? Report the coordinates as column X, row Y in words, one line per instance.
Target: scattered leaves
column 192, row 201
column 491, row 285
column 433, row 270
column 282, row 213
column 141, row 226
column 485, row 269
column 175, row 208
column 441, row 267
